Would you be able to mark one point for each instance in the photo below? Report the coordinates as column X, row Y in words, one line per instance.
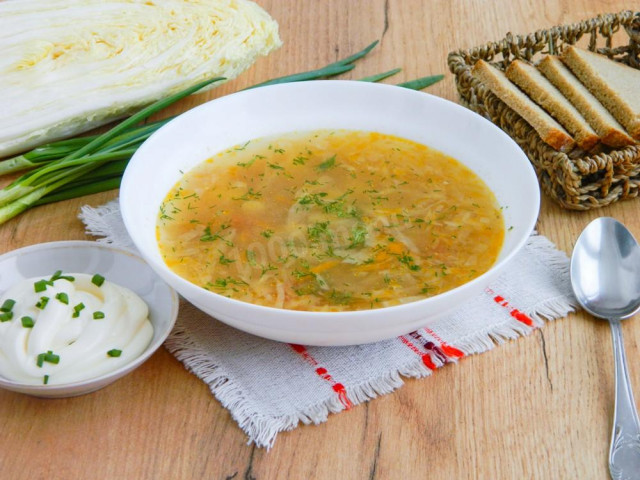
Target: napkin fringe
column 261, row 430
column 387, row 383
column 512, row 329
column 105, row 222
column 554, row 259
column 553, row 308
column 489, row 339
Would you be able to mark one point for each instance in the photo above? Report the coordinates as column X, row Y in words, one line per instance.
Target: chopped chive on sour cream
column 50, row 334
column 27, row 321
column 7, row 305
column 77, row 309
column 63, row 298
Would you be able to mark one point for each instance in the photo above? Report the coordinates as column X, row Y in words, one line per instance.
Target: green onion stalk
column 90, row 164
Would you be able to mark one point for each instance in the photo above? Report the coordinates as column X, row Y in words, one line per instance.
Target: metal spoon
column 605, row 276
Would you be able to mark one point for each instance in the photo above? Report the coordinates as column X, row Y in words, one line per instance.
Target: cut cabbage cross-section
column 70, row 65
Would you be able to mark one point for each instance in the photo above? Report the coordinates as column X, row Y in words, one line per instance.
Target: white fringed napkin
column 270, row 387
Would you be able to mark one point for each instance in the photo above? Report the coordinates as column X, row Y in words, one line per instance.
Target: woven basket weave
column 578, row 182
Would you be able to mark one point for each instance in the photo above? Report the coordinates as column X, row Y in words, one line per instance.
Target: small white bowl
column 117, row 266
column 231, row 120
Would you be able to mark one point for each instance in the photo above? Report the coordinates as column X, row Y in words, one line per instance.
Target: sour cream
column 70, row 327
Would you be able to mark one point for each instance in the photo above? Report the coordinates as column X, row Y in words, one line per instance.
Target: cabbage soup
column 330, row 220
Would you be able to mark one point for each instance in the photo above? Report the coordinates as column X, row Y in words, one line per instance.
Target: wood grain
column 539, row 407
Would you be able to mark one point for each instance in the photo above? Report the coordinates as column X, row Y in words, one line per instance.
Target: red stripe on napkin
column 440, row 352
column 324, row 374
column 426, row 358
column 449, row 350
column 514, row 312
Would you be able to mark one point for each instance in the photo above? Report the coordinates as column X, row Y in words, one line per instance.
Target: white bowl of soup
column 329, row 212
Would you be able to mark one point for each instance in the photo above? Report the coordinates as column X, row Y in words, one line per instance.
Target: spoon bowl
column 605, row 270
column 605, row 276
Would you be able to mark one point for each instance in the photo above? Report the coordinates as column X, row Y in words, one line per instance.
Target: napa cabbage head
column 70, row 65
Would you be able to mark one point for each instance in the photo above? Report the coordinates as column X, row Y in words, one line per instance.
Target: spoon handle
column 624, row 454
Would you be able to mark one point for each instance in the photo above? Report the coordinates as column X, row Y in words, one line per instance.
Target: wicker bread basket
column 577, row 181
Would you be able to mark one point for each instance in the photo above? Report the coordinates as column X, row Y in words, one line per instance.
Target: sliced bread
column 609, row 130
column 616, row 85
column 542, row 91
column 550, row 131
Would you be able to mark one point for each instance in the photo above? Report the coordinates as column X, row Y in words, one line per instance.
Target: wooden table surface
column 538, row 407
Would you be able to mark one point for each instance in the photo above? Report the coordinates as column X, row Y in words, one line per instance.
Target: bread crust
column 614, row 84
column 550, row 131
column 545, row 94
column 609, row 130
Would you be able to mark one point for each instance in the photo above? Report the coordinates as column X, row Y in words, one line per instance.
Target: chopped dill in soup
column 330, row 221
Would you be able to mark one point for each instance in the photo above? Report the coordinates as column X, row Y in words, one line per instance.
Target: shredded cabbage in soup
column 330, row 221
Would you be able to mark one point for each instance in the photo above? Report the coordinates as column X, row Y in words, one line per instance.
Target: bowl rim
column 252, row 309
column 124, row 369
